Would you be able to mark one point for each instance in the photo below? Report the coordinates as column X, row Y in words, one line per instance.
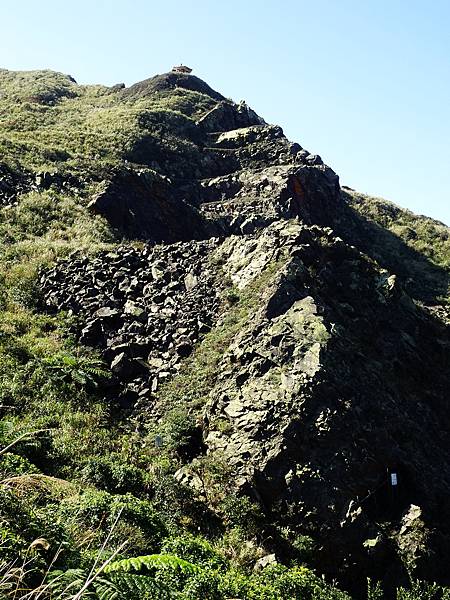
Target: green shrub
column 194, row 549
column 12, row 465
column 25, row 516
column 177, row 434
column 125, row 517
column 180, row 509
column 240, row 512
column 281, row 583
column 112, row 474
column 305, row 547
column 421, row 590
column 205, row 584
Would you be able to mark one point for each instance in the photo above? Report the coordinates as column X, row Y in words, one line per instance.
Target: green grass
column 415, row 247
column 423, row 234
column 49, row 123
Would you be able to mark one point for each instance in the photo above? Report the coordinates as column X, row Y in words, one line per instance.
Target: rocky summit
column 261, row 333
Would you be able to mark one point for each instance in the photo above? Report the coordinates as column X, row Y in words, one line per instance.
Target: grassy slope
column 413, row 246
column 79, row 464
column 50, row 123
column 423, row 234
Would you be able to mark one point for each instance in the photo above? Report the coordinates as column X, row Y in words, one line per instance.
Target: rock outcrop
column 324, row 395
column 338, row 380
column 143, row 205
column 170, row 81
column 12, row 183
column 265, row 178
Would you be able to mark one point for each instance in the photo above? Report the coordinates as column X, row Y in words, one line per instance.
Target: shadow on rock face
column 142, row 205
column 326, row 393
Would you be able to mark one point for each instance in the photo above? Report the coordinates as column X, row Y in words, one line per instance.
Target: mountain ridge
column 294, row 332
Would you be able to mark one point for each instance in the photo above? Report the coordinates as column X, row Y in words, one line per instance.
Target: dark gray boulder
column 143, row 205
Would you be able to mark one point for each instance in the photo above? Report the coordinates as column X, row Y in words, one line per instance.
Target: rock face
column 335, row 383
column 247, row 175
column 143, row 205
column 324, row 395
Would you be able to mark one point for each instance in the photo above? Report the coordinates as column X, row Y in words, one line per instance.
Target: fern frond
column 127, row 586
column 152, row 561
column 108, row 590
column 64, row 584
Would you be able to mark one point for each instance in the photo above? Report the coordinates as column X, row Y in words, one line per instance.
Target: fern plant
column 126, row 579
column 79, row 369
column 150, row 562
column 126, row 586
column 65, row 585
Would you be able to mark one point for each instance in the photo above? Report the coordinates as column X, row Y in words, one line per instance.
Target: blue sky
column 363, row 83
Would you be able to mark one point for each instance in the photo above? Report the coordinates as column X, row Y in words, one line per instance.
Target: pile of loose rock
column 12, row 184
column 144, row 308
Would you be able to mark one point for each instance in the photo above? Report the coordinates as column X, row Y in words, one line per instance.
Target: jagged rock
column 122, row 365
column 170, row 300
column 134, row 310
column 107, row 313
column 127, row 368
column 293, row 387
column 143, row 204
column 184, row 348
column 92, row 334
column 13, row 182
column 185, row 476
column 190, row 281
column 414, row 543
column 236, row 138
column 265, row 561
column 226, row 116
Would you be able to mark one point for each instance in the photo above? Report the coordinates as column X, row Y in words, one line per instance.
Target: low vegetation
column 190, row 387
column 425, row 235
column 48, row 123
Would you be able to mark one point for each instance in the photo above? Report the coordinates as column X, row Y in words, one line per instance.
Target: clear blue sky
column 363, row 83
